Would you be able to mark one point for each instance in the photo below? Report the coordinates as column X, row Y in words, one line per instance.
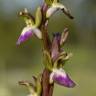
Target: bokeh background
column 21, row 62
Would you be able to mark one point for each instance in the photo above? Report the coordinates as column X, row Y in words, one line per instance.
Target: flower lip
column 26, row 34
column 60, row 77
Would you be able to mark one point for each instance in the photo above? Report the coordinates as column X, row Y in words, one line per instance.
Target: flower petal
column 60, row 77
column 51, row 11
column 37, row 33
column 25, row 35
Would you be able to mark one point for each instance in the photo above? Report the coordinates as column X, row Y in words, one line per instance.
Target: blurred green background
column 21, row 62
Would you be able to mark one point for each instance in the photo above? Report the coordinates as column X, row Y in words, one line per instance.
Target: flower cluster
column 32, row 25
column 55, row 57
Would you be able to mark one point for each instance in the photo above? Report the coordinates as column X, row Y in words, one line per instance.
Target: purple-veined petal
column 25, row 35
column 60, row 77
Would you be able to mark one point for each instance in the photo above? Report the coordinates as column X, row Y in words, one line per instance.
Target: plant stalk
column 47, row 89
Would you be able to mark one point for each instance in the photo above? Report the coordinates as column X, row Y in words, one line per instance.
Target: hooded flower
column 60, row 77
column 31, row 26
column 54, row 6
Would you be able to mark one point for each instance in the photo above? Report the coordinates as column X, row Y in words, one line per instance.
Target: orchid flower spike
column 54, row 6
column 32, row 25
column 60, row 77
